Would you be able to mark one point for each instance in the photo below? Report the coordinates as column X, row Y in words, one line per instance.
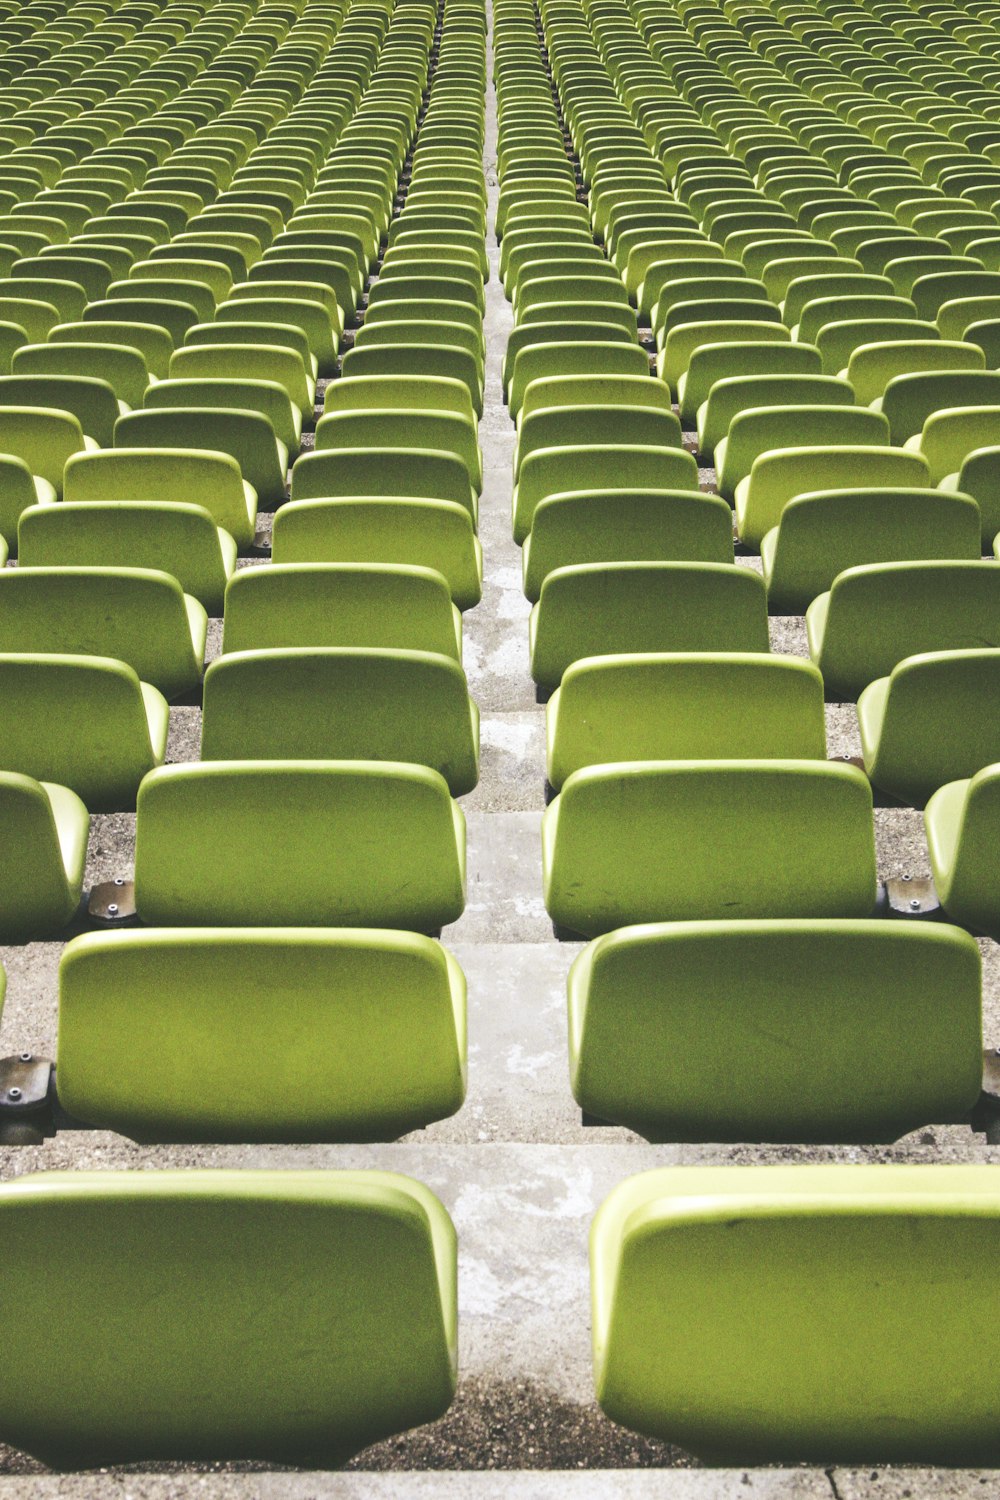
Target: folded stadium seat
column 261, row 303
column 549, row 431
column 415, row 361
column 396, row 428
column 734, row 396
column 593, row 609
column 173, row 314
column 693, row 1266
column 400, row 607
column 44, row 439
column 871, row 366
column 33, row 318
column 820, row 533
column 175, row 1299
column 152, row 341
column 343, row 704
column 820, row 311
column 245, row 435
column 690, row 706
column 624, row 525
column 707, row 840
column 556, row 352
column 44, row 829
column 924, row 725
column 961, row 825
column 948, row 437
column 722, row 360
column 910, row 399
column 875, row 616
column 642, row 998
column 934, row 290
column 260, row 362
column 780, row 475
column 344, row 843
column 91, row 401
column 554, row 470
column 136, row 615
column 758, row 431
column 817, row 286
column 19, row 490
column 190, row 477
column 384, row 1011
column 84, row 722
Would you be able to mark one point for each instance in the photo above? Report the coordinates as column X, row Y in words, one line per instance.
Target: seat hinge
column 27, row 1097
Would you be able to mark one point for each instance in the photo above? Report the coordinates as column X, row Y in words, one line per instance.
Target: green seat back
column 84, row 722
column 782, row 474
column 594, row 609
column 624, row 525
column 948, row 436
column 736, row 1310
column 88, row 398
column 550, row 471
column 756, row 432
column 910, row 399
column 299, row 843
column 876, row 615
column 750, row 356
column 43, row 438
column 822, row 532
column 701, row 840
column 185, row 476
column 693, row 706
column 134, row 615
column 122, row 368
column 961, row 821
column 174, row 1297
column 44, row 833
column 378, row 1022
column 815, row 1008
column 245, row 436
column 343, row 704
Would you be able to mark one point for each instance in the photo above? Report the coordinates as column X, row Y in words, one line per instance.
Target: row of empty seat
column 823, row 406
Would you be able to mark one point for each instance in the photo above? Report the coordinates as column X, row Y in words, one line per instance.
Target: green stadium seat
column 299, row 843
column 84, row 722
column 417, row 361
column 173, row 315
column 681, row 344
column 381, row 1014
column 979, row 477
column 924, row 725
column 45, row 831
column 123, row 368
column 871, row 366
column 961, row 824
column 910, row 399
column 781, row 475
column 246, row 436
column 704, row 840
column 19, row 491
column 371, row 606
column 135, row 615
column 89, row 399
column 624, row 525
column 582, row 424
column 875, row 616
column 174, row 1285
column 183, row 476
column 591, row 609
column 736, row 394
column 722, row 361
column 554, row 354
column 343, row 704
column 152, row 342
column 550, row 471
column 653, row 1008
column 433, row 431
column 43, row 439
column 757, row 431
column 689, row 706
column 822, row 532
column 736, row 1310
column 239, row 363
column 260, row 302
column 405, row 472
column 948, row 437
